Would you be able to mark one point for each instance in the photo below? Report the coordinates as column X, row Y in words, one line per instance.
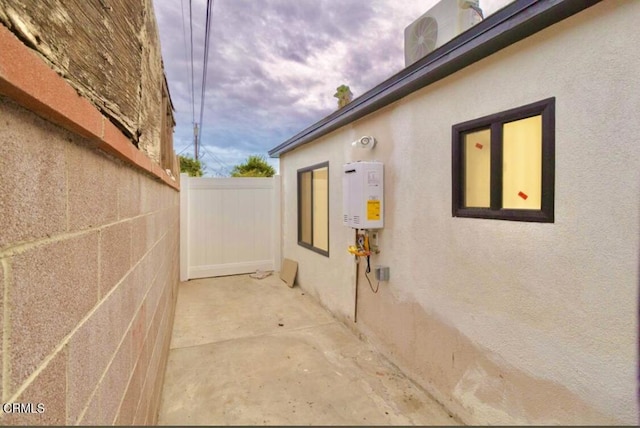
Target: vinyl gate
column 228, row 226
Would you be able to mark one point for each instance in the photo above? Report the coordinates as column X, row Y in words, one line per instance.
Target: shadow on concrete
column 255, row 352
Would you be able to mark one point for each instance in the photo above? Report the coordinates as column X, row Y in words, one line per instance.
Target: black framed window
column 313, row 208
column 503, row 165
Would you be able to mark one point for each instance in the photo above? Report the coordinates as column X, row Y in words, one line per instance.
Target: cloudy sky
column 274, row 66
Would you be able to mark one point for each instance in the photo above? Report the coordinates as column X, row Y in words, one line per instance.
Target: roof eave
column 507, row 26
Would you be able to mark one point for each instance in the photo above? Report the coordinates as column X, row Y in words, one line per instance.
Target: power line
column 186, row 60
column 217, row 171
column 193, row 92
column 185, row 149
column 223, row 165
column 207, row 37
column 225, row 168
column 193, row 104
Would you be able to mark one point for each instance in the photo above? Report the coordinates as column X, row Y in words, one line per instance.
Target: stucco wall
column 503, row 322
column 88, row 255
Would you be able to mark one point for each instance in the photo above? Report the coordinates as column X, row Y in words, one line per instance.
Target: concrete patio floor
column 255, row 352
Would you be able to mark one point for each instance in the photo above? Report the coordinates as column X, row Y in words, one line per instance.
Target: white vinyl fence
column 228, row 226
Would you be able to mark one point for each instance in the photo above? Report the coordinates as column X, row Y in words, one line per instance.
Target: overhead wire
column 193, row 92
column 189, row 64
column 216, row 171
column 205, row 66
column 193, row 105
column 225, row 168
column 207, row 37
column 198, row 125
column 185, row 149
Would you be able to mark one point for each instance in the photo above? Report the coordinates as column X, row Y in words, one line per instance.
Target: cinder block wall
column 88, row 277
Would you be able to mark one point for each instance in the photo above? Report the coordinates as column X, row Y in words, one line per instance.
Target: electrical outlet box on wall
column 363, row 195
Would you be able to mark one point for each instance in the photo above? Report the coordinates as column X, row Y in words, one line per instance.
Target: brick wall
column 88, row 277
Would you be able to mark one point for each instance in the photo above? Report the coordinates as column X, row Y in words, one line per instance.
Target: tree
column 254, row 166
column 344, row 95
column 191, row 166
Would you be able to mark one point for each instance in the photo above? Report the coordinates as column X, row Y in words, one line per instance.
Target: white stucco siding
column 338, row 270
column 557, row 301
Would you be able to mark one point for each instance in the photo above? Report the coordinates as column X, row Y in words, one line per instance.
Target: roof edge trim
column 509, row 25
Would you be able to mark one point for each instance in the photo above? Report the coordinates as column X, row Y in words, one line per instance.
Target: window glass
column 320, row 208
column 305, row 207
column 313, row 208
column 522, row 164
column 477, row 164
column 503, row 165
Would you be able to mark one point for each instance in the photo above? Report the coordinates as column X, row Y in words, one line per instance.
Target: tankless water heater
column 363, row 195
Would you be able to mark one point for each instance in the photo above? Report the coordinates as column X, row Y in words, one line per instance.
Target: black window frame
column 495, row 122
column 302, row 243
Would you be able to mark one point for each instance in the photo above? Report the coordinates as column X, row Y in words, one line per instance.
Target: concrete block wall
column 88, row 277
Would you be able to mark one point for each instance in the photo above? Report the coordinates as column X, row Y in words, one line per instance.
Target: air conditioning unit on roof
column 437, row 26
